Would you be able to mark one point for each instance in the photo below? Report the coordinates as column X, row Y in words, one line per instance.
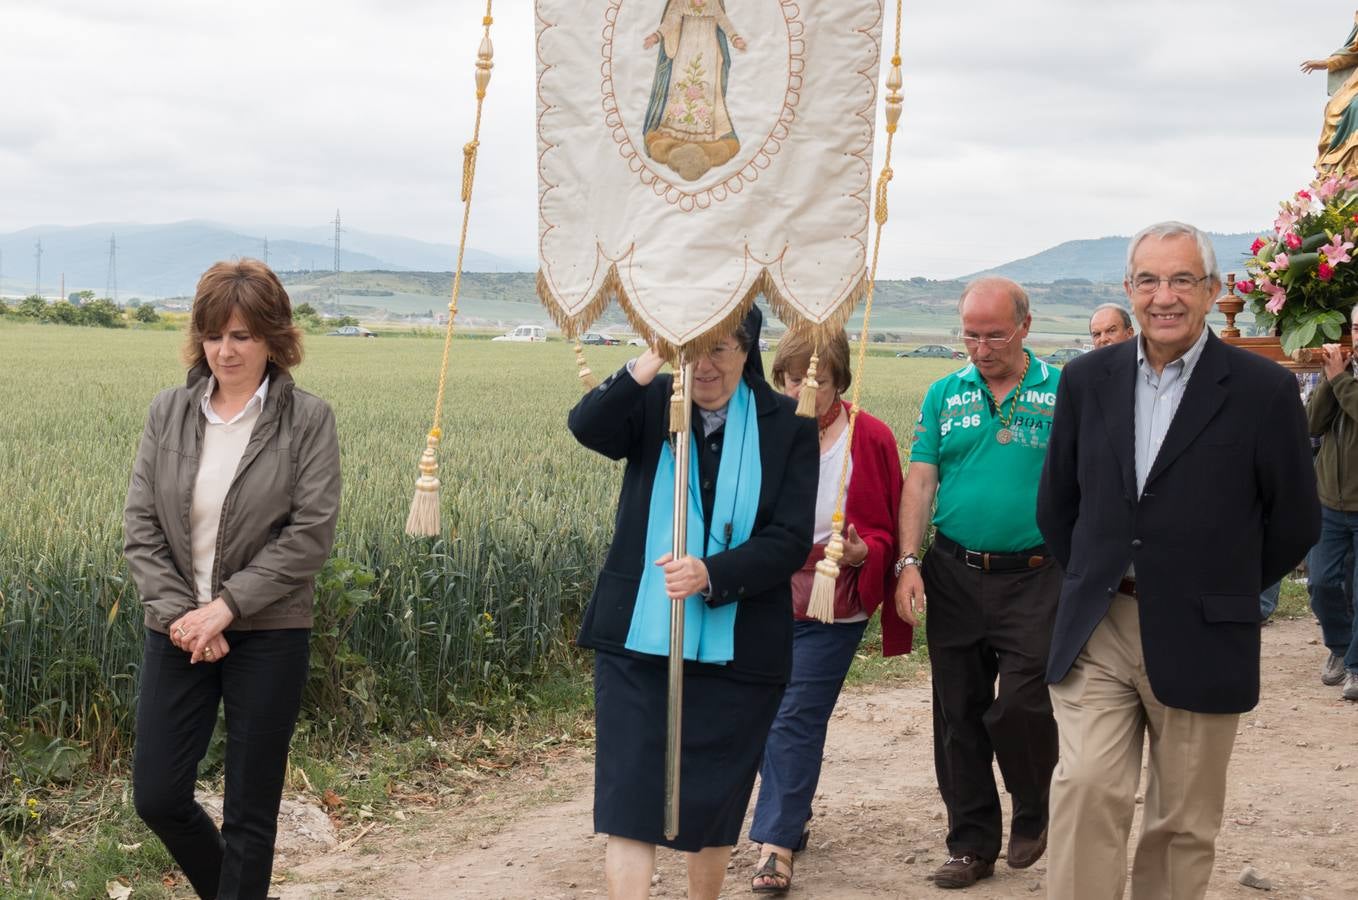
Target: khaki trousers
column 1103, row 708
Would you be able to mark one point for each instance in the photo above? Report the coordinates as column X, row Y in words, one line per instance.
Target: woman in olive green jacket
column 230, row 514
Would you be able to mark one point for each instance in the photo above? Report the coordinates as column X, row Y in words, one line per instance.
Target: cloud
column 1025, row 124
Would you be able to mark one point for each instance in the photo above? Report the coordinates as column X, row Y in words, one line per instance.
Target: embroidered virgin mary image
column 687, row 125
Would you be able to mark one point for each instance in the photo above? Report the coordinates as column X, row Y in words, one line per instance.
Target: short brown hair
column 794, row 357
column 251, row 288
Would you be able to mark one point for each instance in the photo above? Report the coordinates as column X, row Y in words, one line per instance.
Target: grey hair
column 1009, row 286
column 1170, row 229
column 1121, row 310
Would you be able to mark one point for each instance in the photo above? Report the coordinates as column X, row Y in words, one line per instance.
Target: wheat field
column 417, row 630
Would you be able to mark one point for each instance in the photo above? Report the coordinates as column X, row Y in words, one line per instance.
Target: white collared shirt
column 219, row 457
column 1157, row 400
column 255, row 403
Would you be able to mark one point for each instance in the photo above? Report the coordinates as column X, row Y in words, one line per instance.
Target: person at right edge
column 1177, row 484
column 1332, row 414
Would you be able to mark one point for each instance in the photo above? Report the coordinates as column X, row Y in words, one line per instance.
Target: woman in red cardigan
column 822, row 652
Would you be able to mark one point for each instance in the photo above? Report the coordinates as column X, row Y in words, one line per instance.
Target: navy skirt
column 725, row 724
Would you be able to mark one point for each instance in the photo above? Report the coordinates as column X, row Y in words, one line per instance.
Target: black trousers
column 260, row 681
column 984, row 625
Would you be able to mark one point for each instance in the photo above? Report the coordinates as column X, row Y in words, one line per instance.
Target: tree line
column 100, row 312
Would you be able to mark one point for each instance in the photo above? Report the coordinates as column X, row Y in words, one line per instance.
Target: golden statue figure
column 1338, row 151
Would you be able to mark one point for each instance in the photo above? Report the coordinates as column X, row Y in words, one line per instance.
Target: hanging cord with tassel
column 423, row 520
column 822, row 605
column 806, row 400
column 586, row 376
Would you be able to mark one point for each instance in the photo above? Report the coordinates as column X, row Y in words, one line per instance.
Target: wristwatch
column 909, row 559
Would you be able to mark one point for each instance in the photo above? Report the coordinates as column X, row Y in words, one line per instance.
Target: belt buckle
column 982, row 560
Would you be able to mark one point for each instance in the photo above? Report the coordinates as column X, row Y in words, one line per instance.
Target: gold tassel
column 423, row 520
column 678, row 404
column 806, row 401
column 586, row 376
column 822, row 605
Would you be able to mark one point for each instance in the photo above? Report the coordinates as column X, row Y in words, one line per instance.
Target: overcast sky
column 1026, row 124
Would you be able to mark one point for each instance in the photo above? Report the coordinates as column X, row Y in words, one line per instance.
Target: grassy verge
column 73, row 839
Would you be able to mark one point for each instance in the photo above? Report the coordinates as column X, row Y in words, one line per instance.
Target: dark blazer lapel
column 1203, row 397
column 1115, row 390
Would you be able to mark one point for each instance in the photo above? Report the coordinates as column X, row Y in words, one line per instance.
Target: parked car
column 602, row 340
column 524, row 333
column 351, row 331
column 1062, row 356
column 933, row 351
column 637, row 342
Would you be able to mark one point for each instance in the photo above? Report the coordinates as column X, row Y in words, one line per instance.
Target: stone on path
column 1251, row 878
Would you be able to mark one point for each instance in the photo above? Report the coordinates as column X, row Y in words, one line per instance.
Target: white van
column 524, row 333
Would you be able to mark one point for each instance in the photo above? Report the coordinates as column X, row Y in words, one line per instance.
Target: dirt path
column 1292, row 812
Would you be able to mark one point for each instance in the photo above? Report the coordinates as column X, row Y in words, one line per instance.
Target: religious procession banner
column 696, row 153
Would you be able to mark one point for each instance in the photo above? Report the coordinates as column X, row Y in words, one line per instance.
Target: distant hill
column 510, row 298
column 166, row 260
column 394, row 277
column 1104, row 260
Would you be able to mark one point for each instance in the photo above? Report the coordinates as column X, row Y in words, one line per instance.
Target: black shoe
column 962, row 872
column 1332, row 673
column 1023, row 852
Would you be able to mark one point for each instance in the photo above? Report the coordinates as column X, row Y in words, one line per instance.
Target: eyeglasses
column 1179, row 284
column 723, row 352
column 995, row 343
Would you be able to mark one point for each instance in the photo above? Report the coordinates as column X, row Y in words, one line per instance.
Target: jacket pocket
column 615, row 597
column 1231, row 608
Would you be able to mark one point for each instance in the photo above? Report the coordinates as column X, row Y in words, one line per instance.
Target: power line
column 266, row 249
column 111, row 282
column 37, row 281
column 337, row 241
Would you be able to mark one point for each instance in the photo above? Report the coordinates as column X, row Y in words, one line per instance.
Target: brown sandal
column 782, row 881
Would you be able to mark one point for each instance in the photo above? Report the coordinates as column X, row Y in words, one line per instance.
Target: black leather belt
column 986, row 561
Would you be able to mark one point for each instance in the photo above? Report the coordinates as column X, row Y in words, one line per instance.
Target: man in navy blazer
column 1177, row 484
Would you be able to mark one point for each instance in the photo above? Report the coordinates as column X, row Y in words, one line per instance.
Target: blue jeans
column 1331, row 583
column 1268, row 600
column 821, row 655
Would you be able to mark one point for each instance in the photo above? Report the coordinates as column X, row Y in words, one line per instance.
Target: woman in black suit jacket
column 730, row 702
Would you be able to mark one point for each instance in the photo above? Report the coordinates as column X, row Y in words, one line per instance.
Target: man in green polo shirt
column 992, row 586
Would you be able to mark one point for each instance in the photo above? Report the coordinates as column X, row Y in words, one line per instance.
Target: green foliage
column 98, row 313
column 342, row 689
column 64, row 313
column 103, row 313
column 146, row 314
column 76, row 840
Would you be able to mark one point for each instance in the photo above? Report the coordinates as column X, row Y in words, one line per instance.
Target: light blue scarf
column 709, row 632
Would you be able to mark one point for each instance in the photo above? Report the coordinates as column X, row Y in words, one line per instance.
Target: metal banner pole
column 682, row 432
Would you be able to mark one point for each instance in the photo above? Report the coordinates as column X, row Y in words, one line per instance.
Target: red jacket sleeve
column 873, row 508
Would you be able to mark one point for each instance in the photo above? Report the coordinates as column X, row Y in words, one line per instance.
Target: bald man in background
column 1110, row 324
